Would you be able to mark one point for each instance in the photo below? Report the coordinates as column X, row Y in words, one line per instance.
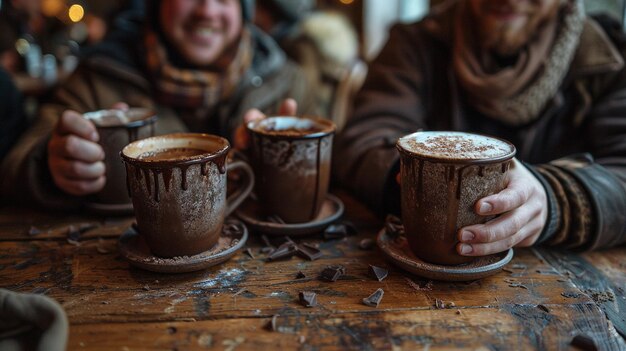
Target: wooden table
column 541, row 301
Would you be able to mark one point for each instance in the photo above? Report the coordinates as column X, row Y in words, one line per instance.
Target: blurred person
column 539, row 73
column 199, row 63
column 324, row 43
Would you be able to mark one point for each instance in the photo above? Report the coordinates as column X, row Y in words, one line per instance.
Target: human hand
column 75, row 158
column 241, row 139
column 522, row 209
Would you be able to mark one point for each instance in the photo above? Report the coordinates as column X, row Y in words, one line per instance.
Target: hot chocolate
column 443, row 175
column 118, row 128
column 291, row 159
column 171, row 154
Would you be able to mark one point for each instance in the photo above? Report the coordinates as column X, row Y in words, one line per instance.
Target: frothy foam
column 455, row 145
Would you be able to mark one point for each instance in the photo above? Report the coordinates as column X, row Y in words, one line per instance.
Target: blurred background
column 40, row 40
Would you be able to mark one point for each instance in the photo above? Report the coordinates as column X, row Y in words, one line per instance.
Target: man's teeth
column 205, row 31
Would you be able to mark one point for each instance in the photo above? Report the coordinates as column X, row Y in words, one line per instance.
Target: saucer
column 109, row 209
column 134, row 248
column 396, row 249
column 250, row 213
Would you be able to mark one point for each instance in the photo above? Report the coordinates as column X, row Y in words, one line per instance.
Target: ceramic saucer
column 109, row 209
column 250, row 213
column 134, row 248
column 396, row 248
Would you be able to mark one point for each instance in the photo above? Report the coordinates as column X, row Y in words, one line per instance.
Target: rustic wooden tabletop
column 542, row 300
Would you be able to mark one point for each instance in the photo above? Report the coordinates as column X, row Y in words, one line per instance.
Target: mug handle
column 235, row 199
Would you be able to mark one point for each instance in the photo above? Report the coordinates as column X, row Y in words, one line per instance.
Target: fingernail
column 467, row 236
column 466, row 249
column 485, row 207
column 94, row 136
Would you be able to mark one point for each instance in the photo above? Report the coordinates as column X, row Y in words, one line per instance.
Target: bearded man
column 200, row 64
column 539, row 73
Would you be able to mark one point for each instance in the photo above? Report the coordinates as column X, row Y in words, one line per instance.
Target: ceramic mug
column 291, row 157
column 443, row 175
column 177, row 183
column 118, row 128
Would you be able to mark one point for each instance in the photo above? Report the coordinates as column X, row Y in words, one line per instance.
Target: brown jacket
column 114, row 73
column 411, row 85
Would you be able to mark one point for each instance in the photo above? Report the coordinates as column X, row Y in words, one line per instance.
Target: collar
column 596, row 52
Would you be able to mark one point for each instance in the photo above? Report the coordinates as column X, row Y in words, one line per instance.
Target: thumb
column 289, row 107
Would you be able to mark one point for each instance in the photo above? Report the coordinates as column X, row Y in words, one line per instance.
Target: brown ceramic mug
column 178, row 186
column 118, row 128
column 291, row 158
column 443, row 175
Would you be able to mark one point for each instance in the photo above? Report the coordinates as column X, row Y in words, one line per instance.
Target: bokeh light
column 76, row 13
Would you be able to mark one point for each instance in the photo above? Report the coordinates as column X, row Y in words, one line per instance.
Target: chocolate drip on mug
column 318, row 166
column 146, row 176
column 155, row 173
column 183, row 176
column 167, row 178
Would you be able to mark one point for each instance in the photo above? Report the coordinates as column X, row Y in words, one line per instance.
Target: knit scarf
column 194, row 88
column 517, row 94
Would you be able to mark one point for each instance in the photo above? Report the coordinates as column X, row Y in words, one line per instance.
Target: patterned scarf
column 193, row 88
column 517, row 94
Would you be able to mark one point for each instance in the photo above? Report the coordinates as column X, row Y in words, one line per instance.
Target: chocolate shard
column 300, row 275
column 231, row 229
column 439, row 304
column 308, row 298
column 32, row 231
column 335, row 231
column 332, row 273
column 310, row 252
column 73, row 235
column 374, row 299
column 267, row 249
column 378, row 272
column 544, row 308
column 366, row 244
column 584, row 342
column 285, row 250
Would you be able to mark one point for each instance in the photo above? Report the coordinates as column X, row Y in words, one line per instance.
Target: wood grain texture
column 541, row 300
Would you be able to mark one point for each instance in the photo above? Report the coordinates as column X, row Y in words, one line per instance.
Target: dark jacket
column 411, row 85
column 114, row 72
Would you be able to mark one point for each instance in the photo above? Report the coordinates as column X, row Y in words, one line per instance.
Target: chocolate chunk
column 544, row 308
column 285, row 250
column 310, row 252
column 332, row 273
column 73, row 235
column 101, row 247
column 231, row 229
column 378, row 272
column 366, row 244
column 300, row 275
column 439, row 304
column 570, row 294
column 308, row 298
column 374, row 299
column 32, row 231
column 335, row 231
column 584, row 342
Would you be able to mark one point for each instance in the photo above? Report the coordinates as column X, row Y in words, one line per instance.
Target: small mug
column 291, row 157
column 443, row 175
column 177, row 183
column 118, row 128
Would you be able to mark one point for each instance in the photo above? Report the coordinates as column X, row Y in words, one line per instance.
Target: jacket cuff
column 606, row 195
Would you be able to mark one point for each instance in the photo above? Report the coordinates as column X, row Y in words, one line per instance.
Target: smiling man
column 536, row 72
column 199, row 63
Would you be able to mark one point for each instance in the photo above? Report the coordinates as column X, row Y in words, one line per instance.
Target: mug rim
column 189, row 160
column 328, row 128
column 474, row 161
column 149, row 116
